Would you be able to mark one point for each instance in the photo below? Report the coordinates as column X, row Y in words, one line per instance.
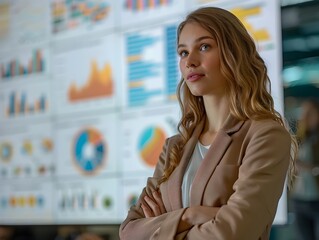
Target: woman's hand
column 195, row 216
column 199, row 214
column 153, row 207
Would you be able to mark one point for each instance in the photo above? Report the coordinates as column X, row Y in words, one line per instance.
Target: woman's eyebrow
column 197, row 40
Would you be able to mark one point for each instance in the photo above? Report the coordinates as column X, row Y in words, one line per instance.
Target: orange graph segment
column 99, row 84
column 47, row 144
column 242, row 13
column 94, row 137
column 153, row 148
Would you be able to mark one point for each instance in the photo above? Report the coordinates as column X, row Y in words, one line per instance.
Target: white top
column 196, row 159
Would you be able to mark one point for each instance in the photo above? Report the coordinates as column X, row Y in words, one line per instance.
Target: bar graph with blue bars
column 14, row 68
column 152, row 60
column 18, row 104
column 141, row 70
column 171, row 62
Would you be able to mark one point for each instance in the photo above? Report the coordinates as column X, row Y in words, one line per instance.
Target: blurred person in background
column 6, row 233
column 89, row 236
column 305, row 194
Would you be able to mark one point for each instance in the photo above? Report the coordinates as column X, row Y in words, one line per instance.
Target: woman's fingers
column 147, row 211
column 158, row 198
column 153, row 206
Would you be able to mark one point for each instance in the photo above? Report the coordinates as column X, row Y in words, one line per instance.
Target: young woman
column 222, row 176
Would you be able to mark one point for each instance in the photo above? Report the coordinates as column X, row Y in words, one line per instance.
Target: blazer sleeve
column 136, row 225
column 252, row 206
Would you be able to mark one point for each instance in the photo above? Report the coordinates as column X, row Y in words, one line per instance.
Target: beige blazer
column 243, row 173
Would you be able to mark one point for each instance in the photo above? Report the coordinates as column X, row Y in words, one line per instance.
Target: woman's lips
column 194, row 77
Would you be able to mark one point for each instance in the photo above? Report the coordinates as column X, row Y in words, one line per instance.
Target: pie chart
column 89, row 151
column 6, row 152
column 150, row 145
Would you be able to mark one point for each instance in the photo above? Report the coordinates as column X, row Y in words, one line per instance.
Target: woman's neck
column 217, row 112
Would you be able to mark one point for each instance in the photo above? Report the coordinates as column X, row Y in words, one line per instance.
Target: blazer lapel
column 174, row 182
column 212, row 158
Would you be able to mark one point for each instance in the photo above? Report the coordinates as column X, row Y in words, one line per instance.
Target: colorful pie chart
column 27, row 147
column 89, row 151
column 6, row 151
column 150, row 145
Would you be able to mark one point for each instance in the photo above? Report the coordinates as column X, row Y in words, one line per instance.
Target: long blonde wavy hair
column 248, row 84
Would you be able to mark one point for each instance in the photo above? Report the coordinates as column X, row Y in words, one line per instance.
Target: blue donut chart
column 89, row 163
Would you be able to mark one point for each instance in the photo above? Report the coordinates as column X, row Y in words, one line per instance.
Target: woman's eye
column 182, row 53
column 204, row 47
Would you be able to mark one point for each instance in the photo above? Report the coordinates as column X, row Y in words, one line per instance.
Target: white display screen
column 87, row 99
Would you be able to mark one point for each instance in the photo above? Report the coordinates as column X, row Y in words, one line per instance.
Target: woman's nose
column 192, row 60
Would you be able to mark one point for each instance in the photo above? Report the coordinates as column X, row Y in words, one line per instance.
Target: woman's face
column 310, row 116
column 200, row 62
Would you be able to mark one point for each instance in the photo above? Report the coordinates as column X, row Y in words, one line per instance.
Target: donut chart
column 150, row 145
column 89, row 151
column 6, row 151
column 27, row 148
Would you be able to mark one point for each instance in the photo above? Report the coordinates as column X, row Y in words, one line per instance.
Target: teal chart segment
column 89, row 151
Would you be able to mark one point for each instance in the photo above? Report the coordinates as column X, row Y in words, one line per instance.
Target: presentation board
column 88, row 97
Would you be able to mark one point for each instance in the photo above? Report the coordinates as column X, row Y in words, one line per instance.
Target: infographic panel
column 30, row 21
column 151, row 69
column 26, row 151
column 143, row 142
column 26, row 202
column 142, row 12
column 93, row 200
column 78, row 17
column 25, row 102
column 87, row 146
column 86, row 75
column 24, row 63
